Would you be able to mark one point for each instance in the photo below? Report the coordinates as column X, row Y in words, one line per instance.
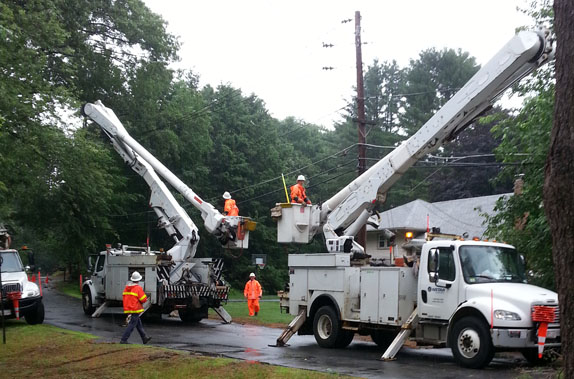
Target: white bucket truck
column 469, row 295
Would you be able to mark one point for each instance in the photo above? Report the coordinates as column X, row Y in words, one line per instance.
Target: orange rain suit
column 298, row 194
column 253, row 292
column 230, row 208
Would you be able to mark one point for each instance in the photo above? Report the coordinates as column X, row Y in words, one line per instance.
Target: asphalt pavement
column 250, row 342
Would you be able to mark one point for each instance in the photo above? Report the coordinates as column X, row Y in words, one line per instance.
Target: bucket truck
column 469, row 295
column 173, row 280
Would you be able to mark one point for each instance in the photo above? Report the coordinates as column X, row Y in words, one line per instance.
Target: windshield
column 482, row 264
column 11, row 262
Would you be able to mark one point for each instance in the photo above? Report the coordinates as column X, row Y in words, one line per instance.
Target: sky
column 274, row 49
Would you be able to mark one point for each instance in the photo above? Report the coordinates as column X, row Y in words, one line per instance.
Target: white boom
column 232, row 231
column 343, row 215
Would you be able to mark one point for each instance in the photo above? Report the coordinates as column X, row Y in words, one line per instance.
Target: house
column 460, row 217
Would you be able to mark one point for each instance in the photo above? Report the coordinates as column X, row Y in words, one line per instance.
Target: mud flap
column 291, row 329
column 226, row 317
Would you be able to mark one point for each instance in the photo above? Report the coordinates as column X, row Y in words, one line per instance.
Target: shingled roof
column 453, row 216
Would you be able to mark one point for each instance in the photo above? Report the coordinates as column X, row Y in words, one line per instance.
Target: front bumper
column 26, row 305
column 523, row 338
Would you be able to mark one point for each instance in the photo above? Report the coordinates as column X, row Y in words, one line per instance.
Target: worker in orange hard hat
column 253, row 293
column 298, row 192
column 230, row 208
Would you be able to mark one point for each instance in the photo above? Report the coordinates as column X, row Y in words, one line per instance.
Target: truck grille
column 186, row 291
column 545, row 313
column 10, row 287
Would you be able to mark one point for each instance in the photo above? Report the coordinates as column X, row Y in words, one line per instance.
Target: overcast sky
column 274, row 48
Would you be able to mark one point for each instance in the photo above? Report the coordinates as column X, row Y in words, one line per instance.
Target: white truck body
column 339, row 293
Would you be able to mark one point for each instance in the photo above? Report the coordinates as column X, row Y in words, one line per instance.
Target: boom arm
column 342, row 216
column 173, row 218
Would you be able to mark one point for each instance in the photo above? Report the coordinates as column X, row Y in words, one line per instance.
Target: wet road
column 249, row 342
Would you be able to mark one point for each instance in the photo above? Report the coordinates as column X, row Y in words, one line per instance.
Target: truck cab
column 15, row 284
column 473, row 296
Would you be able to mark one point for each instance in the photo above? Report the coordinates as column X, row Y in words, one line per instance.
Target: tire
column 345, row 338
column 470, row 343
column 87, row 302
column 37, row 316
column 383, row 338
column 327, row 329
column 192, row 316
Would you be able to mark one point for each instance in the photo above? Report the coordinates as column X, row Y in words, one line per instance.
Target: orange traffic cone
column 15, row 296
column 46, row 281
column 542, row 329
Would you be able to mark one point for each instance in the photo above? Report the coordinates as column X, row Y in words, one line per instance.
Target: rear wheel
column 87, row 302
column 470, row 343
column 193, row 315
column 36, row 316
column 327, row 329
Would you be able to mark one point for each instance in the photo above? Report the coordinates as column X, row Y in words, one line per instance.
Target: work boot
column 124, row 342
column 255, row 313
column 146, row 340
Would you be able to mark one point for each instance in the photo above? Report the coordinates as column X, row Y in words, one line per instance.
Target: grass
column 78, row 355
column 269, row 314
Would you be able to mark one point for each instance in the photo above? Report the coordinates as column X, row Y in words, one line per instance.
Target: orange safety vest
column 252, row 290
column 133, row 298
column 231, row 208
column 298, row 191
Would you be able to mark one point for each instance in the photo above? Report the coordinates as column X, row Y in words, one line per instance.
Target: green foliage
column 521, row 220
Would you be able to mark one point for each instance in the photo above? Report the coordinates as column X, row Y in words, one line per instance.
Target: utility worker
column 253, row 293
column 133, row 298
column 298, row 192
column 230, row 208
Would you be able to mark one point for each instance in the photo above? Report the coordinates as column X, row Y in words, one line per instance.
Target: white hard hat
column 301, row 177
column 252, row 274
column 226, row 195
column 136, row 277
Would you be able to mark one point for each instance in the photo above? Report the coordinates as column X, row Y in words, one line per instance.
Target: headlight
column 506, row 315
column 30, row 290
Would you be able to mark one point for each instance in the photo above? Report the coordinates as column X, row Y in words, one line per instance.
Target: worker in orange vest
column 230, row 208
column 298, row 192
column 133, row 298
column 253, row 293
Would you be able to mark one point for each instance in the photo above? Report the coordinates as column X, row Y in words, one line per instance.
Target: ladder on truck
column 400, row 339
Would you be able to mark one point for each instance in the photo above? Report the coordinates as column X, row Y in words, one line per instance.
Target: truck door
column 99, row 275
column 438, row 290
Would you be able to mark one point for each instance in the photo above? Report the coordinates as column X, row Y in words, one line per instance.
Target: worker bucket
column 15, row 297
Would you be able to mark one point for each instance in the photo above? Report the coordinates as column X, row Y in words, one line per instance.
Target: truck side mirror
column 90, row 263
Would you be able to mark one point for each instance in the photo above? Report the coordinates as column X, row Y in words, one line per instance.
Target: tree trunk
column 559, row 180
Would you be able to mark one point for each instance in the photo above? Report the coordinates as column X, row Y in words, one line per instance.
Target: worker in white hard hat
column 230, row 208
column 298, row 192
column 253, row 293
column 133, row 298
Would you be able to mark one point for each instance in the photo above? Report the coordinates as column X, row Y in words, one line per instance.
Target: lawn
column 43, row 351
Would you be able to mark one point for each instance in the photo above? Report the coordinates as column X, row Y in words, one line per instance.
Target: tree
column 559, row 181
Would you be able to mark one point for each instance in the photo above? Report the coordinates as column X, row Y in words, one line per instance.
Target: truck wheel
column 87, row 302
column 327, row 329
column 383, row 338
column 470, row 343
column 345, row 338
column 192, row 316
column 36, row 316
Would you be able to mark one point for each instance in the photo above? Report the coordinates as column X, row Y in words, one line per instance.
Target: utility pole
column 362, row 235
